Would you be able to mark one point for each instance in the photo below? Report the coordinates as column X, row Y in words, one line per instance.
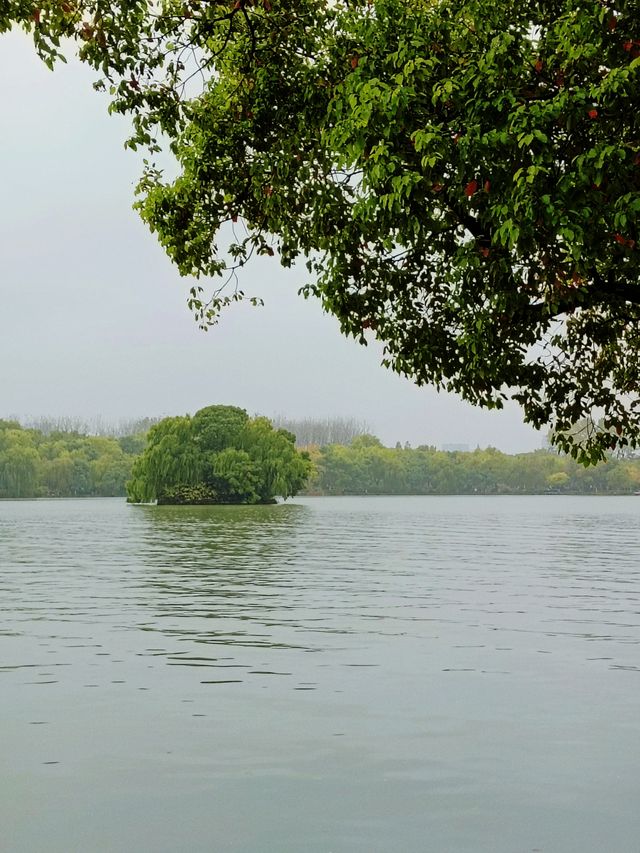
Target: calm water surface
column 338, row 675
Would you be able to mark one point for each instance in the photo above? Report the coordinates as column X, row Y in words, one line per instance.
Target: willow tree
column 219, row 455
column 462, row 177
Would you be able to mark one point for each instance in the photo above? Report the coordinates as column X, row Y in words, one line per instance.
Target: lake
column 331, row 675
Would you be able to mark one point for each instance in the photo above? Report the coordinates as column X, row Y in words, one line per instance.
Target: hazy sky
column 93, row 317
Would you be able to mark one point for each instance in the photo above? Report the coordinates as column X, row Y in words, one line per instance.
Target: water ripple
column 431, row 635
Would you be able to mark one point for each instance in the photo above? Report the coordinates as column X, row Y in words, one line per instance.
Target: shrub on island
column 218, row 456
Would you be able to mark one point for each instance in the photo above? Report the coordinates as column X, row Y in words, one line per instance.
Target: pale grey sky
column 93, row 317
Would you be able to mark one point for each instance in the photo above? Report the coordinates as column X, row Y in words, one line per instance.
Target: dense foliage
column 219, row 455
column 462, row 176
column 232, row 455
column 63, row 464
column 368, row 468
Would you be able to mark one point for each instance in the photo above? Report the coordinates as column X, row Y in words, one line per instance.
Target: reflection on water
column 217, row 573
column 329, row 675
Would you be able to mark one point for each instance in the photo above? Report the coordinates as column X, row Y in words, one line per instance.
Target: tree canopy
column 219, row 455
column 462, row 177
column 368, row 468
column 63, row 463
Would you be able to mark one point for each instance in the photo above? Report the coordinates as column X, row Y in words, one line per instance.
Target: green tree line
column 368, row 468
column 69, row 464
column 64, row 464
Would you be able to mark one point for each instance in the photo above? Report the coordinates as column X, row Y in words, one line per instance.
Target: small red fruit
column 471, row 188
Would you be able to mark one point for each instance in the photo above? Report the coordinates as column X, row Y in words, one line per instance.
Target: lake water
column 334, row 675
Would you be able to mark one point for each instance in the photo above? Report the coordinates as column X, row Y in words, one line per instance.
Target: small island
column 218, row 456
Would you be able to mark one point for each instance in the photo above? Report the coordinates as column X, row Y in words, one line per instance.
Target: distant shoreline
column 333, row 497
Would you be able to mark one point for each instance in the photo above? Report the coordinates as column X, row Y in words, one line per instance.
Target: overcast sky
column 93, row 317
